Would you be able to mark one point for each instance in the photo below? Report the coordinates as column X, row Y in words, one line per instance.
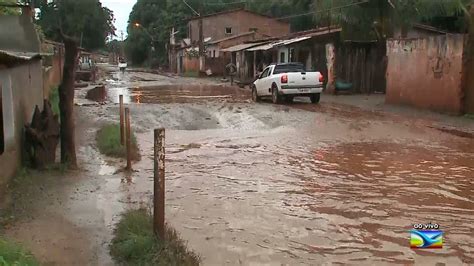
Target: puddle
column 177, row 93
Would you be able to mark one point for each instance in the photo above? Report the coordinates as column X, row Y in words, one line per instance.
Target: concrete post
column 159, row 183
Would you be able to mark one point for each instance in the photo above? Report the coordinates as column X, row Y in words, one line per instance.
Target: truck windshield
column 287, row 68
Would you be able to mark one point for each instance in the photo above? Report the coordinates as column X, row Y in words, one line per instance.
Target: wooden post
column 128, row 139
column 122, row 127
column 159, row 184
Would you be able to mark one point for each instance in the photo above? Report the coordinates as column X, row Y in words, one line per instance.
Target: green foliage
column 13, row 254
column 378, row 19
column 135, row 244
column 54, row 100
column 108, row 142
column 86, row 19
column 8, row 10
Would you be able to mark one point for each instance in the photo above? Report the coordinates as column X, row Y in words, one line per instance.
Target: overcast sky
column 121, row 9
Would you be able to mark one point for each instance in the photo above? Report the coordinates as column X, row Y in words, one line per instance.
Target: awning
column 239, row 47
column 264, row 47
column 294, row 40
column 269, row 46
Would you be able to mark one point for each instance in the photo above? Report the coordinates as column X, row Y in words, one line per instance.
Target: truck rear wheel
column 315, row 97
column 276, row 99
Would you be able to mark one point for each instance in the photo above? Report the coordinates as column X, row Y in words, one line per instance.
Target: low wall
column 469, row 71
column 426, row 72
column 190, row 64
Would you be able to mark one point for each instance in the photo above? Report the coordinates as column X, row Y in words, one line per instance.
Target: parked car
column 286, row 81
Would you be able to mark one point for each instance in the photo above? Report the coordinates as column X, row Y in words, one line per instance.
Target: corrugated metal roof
column 294, row 40
column 264, row 47
column 306, row 35
column 269, row 46
column 239, row 47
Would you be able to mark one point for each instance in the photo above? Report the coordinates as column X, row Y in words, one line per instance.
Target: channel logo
column 426, row 239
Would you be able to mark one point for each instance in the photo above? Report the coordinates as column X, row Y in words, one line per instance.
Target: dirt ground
column 264, row 184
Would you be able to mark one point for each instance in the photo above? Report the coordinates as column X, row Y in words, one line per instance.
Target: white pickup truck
column 285, row 81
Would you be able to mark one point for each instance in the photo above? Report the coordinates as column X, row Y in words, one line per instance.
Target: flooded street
column 262, row 184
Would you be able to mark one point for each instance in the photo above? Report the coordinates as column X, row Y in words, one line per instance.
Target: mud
column 257, row 184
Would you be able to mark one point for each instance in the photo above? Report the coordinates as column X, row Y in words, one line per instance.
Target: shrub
column 135, row 244
column 108, row 142
column 54, row 100
column 14, row 254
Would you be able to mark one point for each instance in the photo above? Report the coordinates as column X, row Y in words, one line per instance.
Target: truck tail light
column 321, row 78
column 284, row 79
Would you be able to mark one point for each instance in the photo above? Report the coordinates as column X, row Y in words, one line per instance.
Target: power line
column 323, row 11
column 195, row 12
column 224, row 4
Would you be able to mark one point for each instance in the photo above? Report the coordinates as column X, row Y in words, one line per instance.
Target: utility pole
column 202, row 54
column 122, row 52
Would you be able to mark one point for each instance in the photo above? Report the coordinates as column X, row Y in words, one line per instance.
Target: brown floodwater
column 177, row 93
column 260, row 183
column 295, row 184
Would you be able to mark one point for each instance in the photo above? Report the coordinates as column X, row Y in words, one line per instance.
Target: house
column 21, row 88
column 222, row 30
column 213, row 48
column 235, row 22
column 321, row 49
column 305, row 47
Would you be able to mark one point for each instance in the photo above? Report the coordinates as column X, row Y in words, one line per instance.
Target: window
column 214, row 53
column 253, row 29
column 2, row 136
column 228, row 30
column 291, row 58
column 265, row 73
column 282, row 57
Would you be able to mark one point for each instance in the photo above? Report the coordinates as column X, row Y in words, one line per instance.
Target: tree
column 376, row 19
column 148, row 31
column 87, row 20
column 66, row 103
column 8, row 10
column 72, row 22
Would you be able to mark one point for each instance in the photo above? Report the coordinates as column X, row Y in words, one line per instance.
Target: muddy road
column 253, row 184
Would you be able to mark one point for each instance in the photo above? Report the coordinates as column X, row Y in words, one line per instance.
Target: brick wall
column 426, row 72
column 240, row 21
